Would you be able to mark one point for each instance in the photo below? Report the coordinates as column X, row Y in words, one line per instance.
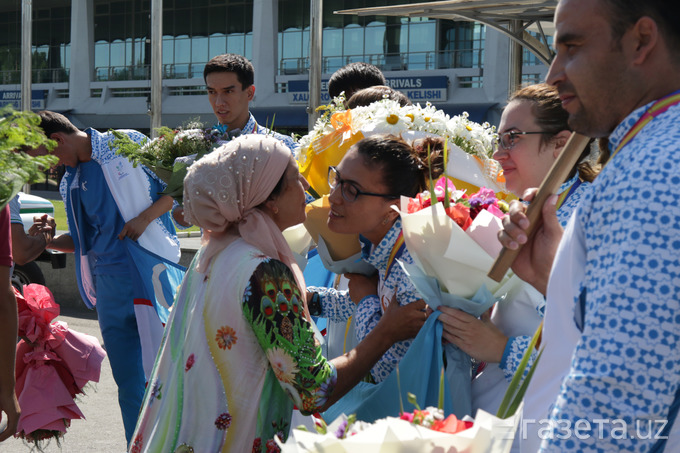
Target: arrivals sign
column 418, row 89
column 13, row 98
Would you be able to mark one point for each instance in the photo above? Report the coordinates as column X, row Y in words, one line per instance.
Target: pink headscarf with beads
column 222, row 192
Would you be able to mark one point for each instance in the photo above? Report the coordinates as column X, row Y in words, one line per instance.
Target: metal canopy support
column 26, row 44
column 156, row 105
column 315, row 58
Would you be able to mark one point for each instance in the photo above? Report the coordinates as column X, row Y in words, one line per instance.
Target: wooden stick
column 552, row 182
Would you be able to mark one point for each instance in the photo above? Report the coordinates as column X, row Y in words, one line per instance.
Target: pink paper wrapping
column 53, row 364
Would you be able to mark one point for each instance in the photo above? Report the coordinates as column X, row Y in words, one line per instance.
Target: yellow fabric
column 340, row 246
column 328, row 150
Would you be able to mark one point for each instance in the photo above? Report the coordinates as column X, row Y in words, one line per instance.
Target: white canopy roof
column 512, row 18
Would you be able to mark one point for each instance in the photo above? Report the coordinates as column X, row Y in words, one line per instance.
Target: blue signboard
column 13, row 98
column 418, row 89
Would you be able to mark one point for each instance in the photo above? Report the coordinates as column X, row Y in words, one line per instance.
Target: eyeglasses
column 507, row 140
column 349, row 191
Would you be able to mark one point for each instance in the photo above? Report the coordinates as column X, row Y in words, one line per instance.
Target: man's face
column 228, row 99
column 590, row 69
column 65, row 158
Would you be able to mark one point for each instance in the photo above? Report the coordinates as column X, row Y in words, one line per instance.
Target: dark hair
column 405, row 168
column 51, row 122
column 368, row 96
column 551, row 117
column 625, row 13
column 353, row 77
column 231, row 62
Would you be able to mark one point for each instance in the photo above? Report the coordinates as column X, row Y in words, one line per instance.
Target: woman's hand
column 479, row 338
column 361, row 286
column 403, row 322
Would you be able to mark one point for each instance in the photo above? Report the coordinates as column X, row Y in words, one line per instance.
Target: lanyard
column 567, row 193
column 397, row 250
column 655, row 110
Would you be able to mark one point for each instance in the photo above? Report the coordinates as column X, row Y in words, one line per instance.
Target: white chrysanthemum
column 191, row 134
column 285, row 368
column 388, row 117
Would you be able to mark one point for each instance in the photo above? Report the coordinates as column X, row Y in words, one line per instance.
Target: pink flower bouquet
column 53, row 364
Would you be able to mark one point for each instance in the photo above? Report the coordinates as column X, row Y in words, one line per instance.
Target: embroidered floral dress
column 238, row 353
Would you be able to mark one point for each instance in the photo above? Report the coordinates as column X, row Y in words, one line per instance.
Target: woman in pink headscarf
column 239, row 348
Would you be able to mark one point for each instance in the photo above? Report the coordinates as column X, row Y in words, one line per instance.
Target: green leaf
column 21, row 131
column 401, row 401
column 412, row 399
column 433, row 197
column 440, row 403
column 515, row 392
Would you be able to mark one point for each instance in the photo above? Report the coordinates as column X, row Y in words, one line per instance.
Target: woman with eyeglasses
column 365, row 188
column 240, row 349
column 532, row 133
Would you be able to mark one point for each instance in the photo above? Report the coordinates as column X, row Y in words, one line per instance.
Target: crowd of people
column 241, row 350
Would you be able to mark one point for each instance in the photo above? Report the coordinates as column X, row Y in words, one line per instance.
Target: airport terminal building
column 91, row 58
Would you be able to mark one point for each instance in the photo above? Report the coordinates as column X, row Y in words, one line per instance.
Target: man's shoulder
column 286, row 139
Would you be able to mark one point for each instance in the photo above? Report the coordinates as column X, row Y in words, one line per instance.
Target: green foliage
column 159, row 154
column 515, row 393
column 20, row 130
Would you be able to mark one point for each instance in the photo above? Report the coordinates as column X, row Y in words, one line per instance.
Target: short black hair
column 353, row 77
column 403, row 167
column 625, row 13
column 51, row 122
column 231, row 62
column 367, row 96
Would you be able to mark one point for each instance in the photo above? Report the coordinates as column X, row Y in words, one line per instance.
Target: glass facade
column 196, row 30
column 51, row 41
column 391, row 43
column 193, row 32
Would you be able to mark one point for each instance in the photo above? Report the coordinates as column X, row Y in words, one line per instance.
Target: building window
column 51, row 46
column 193, row 32
column 391, row 43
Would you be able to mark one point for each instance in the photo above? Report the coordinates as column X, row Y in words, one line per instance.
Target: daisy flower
column 285, row 368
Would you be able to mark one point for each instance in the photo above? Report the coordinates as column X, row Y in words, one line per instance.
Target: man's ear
column 58, row 137
column 251, row 92
column 645, row 36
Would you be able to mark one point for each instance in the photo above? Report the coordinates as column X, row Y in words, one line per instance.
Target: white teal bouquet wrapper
column 452, row 254
column 488, row 434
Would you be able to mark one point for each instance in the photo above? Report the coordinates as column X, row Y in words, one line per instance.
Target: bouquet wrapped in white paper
column 469, row 145
column 488, row 434
column 452, row 239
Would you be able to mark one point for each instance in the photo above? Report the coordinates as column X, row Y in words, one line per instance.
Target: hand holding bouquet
column 452, row 238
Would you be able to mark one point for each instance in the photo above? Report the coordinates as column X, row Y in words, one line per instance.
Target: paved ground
column 102, row 431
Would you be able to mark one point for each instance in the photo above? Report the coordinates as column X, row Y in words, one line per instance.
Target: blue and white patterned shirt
column 252, row 127
column 613, row 301
column 369, row 311
column 516, row 346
